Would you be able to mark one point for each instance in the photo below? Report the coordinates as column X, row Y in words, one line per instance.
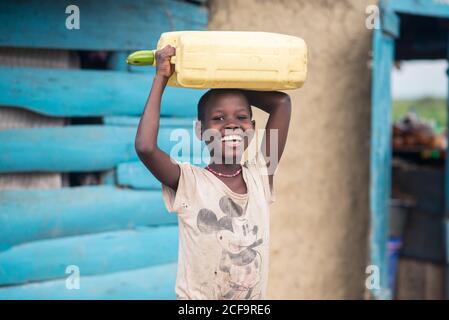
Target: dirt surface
column 319, row 225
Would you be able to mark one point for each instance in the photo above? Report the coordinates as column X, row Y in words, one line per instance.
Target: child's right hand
column 163, row 66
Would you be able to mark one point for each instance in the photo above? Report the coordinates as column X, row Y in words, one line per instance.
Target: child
column 223, row 209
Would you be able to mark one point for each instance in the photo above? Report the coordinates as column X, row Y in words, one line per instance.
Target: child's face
column 227, row 128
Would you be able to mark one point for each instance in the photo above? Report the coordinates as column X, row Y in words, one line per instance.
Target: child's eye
column 243, row 117
column 218, row 118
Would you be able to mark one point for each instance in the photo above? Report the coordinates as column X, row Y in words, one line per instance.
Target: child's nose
column 231, row 125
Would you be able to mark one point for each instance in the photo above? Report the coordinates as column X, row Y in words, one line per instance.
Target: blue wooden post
column 446, row 191
column 380, row 182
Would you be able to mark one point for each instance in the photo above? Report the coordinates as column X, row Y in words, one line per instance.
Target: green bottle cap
column 142, row 58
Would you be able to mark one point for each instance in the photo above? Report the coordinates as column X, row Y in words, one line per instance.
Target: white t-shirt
column 223, row 235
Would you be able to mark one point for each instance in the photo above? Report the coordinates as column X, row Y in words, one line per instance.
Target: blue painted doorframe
column 446, row 187
column 383, row 51
column 384, row 39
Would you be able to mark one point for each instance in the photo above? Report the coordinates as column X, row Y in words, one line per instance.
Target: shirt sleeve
column 179, row 201
column 261, row 166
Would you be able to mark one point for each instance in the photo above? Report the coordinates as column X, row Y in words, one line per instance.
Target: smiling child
column 223, row 209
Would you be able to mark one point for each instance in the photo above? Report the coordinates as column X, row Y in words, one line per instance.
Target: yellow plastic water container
column 232, row 59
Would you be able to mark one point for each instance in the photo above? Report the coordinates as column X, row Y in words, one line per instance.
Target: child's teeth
column 231, row 137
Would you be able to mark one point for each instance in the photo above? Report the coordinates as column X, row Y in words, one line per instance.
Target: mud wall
column 319, row 225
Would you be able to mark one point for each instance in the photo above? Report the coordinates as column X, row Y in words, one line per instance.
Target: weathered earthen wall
column 319, row 229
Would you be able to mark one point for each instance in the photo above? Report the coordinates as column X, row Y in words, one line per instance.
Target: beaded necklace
column 224, row 174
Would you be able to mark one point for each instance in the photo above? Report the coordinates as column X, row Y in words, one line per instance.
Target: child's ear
column 198, row 129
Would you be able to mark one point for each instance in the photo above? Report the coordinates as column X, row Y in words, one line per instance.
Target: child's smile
column 232, row 140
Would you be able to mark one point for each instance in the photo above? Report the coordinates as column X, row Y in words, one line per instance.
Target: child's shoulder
column 192, row 169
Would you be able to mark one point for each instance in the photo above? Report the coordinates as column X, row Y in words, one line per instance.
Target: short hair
column 205, row 98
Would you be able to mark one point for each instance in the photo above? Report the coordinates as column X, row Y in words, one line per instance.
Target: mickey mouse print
column 238, row 271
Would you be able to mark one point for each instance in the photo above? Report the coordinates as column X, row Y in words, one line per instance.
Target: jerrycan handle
column 145, row 58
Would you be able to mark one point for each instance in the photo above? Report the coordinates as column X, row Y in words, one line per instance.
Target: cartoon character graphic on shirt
column 238, row 270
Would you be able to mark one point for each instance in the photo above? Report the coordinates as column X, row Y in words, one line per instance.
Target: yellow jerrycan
column 232, row 59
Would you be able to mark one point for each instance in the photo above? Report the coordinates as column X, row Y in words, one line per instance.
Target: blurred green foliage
column 426, row 108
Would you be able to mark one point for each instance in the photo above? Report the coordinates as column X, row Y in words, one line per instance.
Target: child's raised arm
column 278, row 105
column 157, row 161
